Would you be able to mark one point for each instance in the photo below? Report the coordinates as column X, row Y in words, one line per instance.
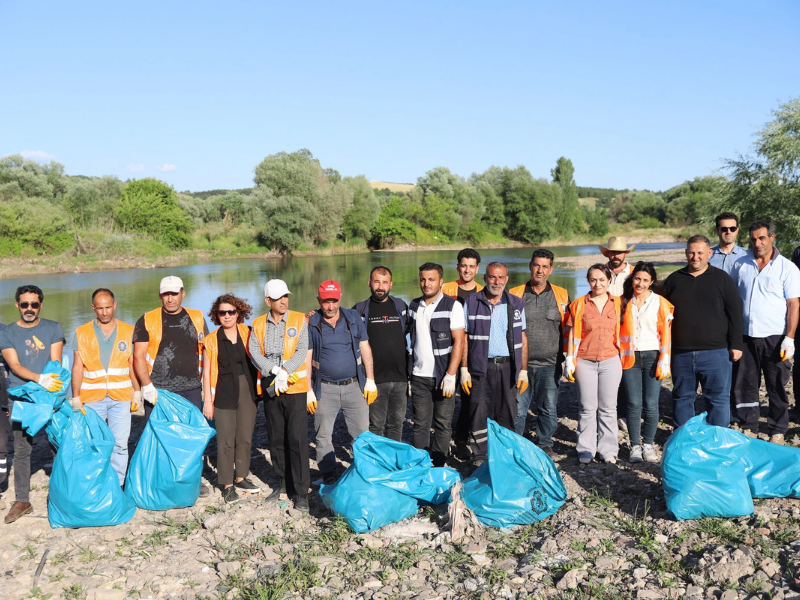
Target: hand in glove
column 281, row 382
column 136, row 403
column 77, row 404
column 569, row 369
column 370, row 391
column 522, row 381
column 150, row 394
column 51, row 382
column 466, row 380
column 787, row 348
column 665, row 372
column 448, row 385
column 311, row 402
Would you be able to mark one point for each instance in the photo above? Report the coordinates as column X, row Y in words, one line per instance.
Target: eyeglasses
column 33, row 305
column 230, row 313
column 733, row 229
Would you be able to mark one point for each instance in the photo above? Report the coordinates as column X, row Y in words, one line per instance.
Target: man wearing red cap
column 341, row 376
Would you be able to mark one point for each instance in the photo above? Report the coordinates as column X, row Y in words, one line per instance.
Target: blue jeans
column 641, row 395
column 118, row 416
column 712, row 370
column 543, row 389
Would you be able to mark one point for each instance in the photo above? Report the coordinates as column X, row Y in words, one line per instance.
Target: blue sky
column 637, row 94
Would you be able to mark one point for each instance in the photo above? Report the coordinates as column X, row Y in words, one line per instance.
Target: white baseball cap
column 171, row 284
column 276, row 289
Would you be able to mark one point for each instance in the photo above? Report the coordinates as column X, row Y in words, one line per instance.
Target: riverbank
column 86, row 263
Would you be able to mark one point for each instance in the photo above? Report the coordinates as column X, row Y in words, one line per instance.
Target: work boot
column 636, row 454
column 301, row 503
column 649, row 453
column 777, row 438
column 277, row 491
column 18, row 509
column 549, row 451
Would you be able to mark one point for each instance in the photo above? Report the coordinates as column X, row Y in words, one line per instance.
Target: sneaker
column 585, row 460
column 462, row 452
column 610, row 460
column 649, row 453
column 777, row 438
column 277, row 491
column 229, row 495
column 549, row 451
column 750, row 433
column 245, row 485
column 204, row 492
column 301, row 503
column 636, row 453
column 623, row 425
column 18, row 509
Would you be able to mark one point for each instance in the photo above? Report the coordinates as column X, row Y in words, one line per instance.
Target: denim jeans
column 543, row 390
column 641, row 395
column 118, row 416
column 389, row 410
column 712, row 370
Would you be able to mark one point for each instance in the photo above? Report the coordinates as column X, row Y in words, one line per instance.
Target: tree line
column 296, row 203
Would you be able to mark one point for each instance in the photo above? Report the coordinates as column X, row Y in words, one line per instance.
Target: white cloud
column 38, row 155
column 134, row 168
column 166, row 167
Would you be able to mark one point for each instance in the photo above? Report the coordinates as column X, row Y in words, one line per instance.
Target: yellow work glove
column 370, row 391
column 51, row 382
column 77, row 404
column 293, row 378
column 136, row 401
column 466, row 380
column 522, row 381
column 311, row 402
column 569, row 369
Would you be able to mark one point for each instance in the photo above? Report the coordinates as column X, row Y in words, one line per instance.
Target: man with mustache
column 27, row 345
column 385, row 317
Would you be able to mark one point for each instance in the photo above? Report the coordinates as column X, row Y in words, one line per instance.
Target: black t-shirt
column 388, row 342
column 464, row 294
column 175, row 367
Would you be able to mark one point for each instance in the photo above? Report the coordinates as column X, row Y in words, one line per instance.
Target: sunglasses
column 642, row 263
column 230, row 313
column 733, row 229
column 33, row 305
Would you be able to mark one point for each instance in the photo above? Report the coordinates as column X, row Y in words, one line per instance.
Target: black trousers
column 796, row 386
column 194, row 396
column 493, row 397
column 5, row 435
column 461, row 433
column 762, row 355
column 287, row 428
column 235, row 436
column 430, row 407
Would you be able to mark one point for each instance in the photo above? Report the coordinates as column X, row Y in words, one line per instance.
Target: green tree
column 392, row 226
column 23, row 178
column 34, row 225
column 359, row 220
column 564, row 176
column 297, row 174
column 487, row 185
column 150, row 206
column 287, row 221
column 528, row 205
column 91, row 201
column 455, row 192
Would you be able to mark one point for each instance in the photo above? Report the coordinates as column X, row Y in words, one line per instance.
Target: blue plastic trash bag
column 84, row 488
column 703, row 471
column 165, row 469
column 366, row 506
column 34, row 405
column 772, row 471
column 518, row 485
column 58, row 424
column 402, row 467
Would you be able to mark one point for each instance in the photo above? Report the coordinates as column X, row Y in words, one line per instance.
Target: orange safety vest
column 562, row 300
column 626, row 334
column 153, row 323
column 99, row 382
column 576, row 310
column 211, row 346
column 451, row 288
column 294, row 323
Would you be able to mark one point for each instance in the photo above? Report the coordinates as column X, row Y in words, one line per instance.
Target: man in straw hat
column 616, row 252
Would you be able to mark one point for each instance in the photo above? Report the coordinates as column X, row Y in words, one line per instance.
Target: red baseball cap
column 330, row 290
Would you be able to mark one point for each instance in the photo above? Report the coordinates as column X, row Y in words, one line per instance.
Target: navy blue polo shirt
column 337, row 361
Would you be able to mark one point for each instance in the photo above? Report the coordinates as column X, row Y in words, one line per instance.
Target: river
column 68, row 297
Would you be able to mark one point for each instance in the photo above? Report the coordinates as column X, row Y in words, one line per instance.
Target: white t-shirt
column 618, row 280
column 645, row 324
column 424, row 364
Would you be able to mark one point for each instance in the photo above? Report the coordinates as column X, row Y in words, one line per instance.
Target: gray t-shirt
column 32, row 345
column 543, row 329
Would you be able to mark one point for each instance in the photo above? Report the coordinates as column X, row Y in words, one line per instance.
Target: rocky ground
column 612, row 539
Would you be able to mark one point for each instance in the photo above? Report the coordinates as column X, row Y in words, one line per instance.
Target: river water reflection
column 68, row 296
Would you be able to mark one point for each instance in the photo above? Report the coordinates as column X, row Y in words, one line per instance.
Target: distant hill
column 204, row 195
column 392, row 187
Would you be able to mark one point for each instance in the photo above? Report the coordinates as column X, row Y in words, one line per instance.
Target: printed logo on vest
column 200, row 336
column 516, row 315
column 442, row 335
column 291, row 332
column 122, row 346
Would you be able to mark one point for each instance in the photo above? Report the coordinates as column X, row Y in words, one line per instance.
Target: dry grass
column 393, row 187
column 587, row 202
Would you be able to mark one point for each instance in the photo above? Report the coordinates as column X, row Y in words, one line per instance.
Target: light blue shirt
column 726, row 261
column 764, row 293
column 498, row 344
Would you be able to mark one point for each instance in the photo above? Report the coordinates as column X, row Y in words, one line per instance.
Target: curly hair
column 239, row 304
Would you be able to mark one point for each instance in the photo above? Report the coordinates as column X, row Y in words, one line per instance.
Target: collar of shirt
column 530, row 290
column 433, row 303
column 736, row 251
column 281, row 320
column 751, row 257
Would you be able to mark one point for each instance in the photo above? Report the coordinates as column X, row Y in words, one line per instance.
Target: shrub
column 150, row 206
column 34, row 224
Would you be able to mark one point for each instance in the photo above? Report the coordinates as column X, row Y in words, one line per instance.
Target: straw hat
column 616, row 244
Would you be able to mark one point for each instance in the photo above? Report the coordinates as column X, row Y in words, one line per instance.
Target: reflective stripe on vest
column 115, row 381
column 576, row 311
column 153, row 322
column 291, row 337
column 440, row 332
column 664, row 326
column 480, row 317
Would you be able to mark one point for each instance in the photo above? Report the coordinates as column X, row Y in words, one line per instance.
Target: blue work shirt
column 764, row 293
column 726, row 261
column 498, row 343
column 337, row 361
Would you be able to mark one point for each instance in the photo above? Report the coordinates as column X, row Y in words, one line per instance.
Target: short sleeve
column 140, row 331
column 5, row 343
column 523, row 319
column 457, row 317
column 791, row 284
column 466, row 318
column 57, row 334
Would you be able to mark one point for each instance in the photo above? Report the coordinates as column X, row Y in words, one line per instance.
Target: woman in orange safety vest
column 645, row 345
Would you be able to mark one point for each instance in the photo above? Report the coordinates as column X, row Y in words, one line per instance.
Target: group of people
column 722, row 321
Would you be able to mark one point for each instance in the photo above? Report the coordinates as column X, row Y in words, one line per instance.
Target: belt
column 500, row 360
column 345, row 382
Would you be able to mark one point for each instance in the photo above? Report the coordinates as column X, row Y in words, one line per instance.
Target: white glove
column 281, row 381
column 787, row 348
column 569, row 369
column 50, row 382
column 370, row 391
column 77, row 404
column 149, row 393
column 665, row 372
column 311, row 402
column 466, row 380
column 448, row 385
